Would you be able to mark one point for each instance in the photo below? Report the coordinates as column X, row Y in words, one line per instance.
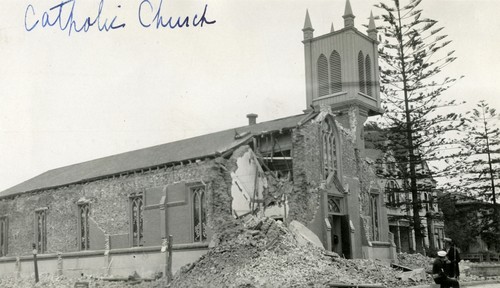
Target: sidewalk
column 466, row 284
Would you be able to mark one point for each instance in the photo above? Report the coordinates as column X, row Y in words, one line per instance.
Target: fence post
column 18, row 267
column 35, row 262
column 169, row 258
column 59, row 264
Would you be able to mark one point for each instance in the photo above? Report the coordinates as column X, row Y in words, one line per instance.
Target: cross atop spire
column 348, row 16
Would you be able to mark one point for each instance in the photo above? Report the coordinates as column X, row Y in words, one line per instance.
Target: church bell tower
column 342, row 66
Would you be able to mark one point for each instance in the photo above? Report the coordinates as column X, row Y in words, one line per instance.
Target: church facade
column 113, row 215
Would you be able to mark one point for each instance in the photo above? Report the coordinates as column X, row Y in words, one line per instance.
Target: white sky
column 67, row 99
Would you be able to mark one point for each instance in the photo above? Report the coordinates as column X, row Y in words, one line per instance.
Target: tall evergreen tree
column 475, row 168
column 413, row 53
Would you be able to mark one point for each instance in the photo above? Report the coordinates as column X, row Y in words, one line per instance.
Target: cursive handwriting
column 161, row 21
column 54, row 17
column 150, row 14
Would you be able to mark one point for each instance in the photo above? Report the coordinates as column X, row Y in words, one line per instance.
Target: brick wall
column 109, row 204
column 304, row 201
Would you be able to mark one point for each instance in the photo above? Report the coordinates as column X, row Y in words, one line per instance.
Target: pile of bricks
column 264, row 253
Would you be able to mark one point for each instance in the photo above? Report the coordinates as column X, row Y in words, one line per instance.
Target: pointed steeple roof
column 331, row 28
column 348, row 15
column 348, row 9
column 308, row 29
column 307, row 24
column 372, row 29
column 371, row 24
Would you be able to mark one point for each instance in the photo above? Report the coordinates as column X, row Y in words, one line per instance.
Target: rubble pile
column 415, row 261
column 53, row 281
column 265, row 253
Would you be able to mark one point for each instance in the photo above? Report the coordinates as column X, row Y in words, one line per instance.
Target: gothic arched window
column 361, row 72
column 200, row 214
column 323, row 88
column 137, row 219
column 335, row 73
column 329, row 147
column 368, row 70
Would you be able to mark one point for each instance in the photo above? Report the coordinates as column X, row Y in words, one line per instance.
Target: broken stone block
column 304, row 235
column 331, row 254
column 215, row 241
column 416, row 275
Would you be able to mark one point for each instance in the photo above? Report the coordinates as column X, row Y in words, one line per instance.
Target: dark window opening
column 392, row 192
column 375, row 216
column 41, row 230
column 84, row 214
column 329, row 148
column 3, row 236
column 137, row 219
column 199, row 214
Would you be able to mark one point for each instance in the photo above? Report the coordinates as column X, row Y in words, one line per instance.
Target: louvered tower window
column 368, row 75
column 323, row 88
column 335, row 72
column 361, row 71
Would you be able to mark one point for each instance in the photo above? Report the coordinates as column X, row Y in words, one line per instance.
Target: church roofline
column 210, row 145
column 340, row 32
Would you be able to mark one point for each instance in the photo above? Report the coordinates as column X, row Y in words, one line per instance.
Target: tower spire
column 348, row 16
column 372, row 29
column 331, row 28
column 308, row 29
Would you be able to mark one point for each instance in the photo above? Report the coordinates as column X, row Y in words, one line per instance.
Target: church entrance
column 340, row 229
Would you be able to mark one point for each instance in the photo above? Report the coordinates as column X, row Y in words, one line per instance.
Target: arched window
column 334, row 205
column 323, row 88
column 375, row 216
column 137, row 219
column 335, row 72
column 361, row 71
column 83, row 223
column 368, row 69
column 200, row 214
column 329, row 146
column 391, row 190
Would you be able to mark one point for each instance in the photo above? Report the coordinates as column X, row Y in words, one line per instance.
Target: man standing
column 453, row 256
column 438, row 272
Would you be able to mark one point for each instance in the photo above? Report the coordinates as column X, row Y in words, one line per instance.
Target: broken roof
column 188, row 149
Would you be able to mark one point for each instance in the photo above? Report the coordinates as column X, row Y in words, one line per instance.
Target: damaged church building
column 113, row 215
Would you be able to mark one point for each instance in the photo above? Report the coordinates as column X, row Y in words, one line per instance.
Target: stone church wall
column 109, row 204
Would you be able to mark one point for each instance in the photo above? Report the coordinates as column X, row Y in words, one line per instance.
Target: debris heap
column 264, row 253
column 415, row 261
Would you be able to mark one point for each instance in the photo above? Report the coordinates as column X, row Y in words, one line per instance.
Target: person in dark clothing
column 453, row 256
column 438, row 272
